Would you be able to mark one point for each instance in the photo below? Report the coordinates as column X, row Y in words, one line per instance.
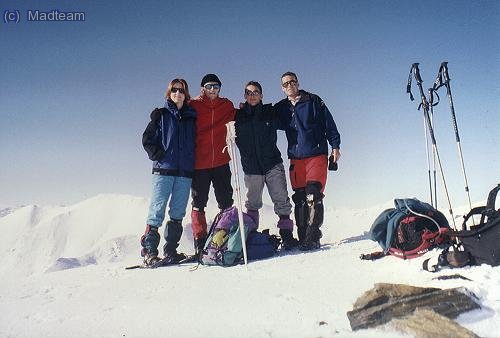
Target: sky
column 76, row 96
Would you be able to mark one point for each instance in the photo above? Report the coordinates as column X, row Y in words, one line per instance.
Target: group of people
column 186, row 139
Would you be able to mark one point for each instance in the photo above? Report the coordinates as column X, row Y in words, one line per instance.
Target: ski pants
column 275, row 181
column 220, row 177
column 305, row 171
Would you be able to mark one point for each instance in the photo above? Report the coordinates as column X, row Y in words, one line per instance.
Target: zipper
column 212, row 138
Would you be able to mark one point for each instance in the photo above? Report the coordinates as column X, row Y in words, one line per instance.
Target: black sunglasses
column 175, row 90
column 252, row 93
column 288, row 83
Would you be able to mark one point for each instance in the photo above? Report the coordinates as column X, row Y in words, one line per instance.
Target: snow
column 62, row 275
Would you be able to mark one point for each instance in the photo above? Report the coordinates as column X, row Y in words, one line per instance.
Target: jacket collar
column 304, row 96
column 255, row 110
column 218, row 101
column 185, row 111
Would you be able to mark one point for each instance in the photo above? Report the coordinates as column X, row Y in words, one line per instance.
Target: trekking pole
column 428, row 160
column 431, row 92
column 230, row 144
column 425, row 106
column 443, row 79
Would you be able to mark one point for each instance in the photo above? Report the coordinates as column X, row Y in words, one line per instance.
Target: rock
column 387, row 301
column 425, row 323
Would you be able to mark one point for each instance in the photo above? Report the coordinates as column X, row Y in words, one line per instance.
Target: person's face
column 253, row 95
column 211, row 90
column 290, row 85
column 177, row 94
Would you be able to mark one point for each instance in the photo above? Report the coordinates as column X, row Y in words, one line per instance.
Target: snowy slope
column 63, row 275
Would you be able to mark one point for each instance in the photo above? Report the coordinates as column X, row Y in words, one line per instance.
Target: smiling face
column 290, row 86
column 211, row 90
column 177, row 94
column 253, row 95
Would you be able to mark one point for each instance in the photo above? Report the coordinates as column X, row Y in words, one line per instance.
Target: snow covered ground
column 62, row 275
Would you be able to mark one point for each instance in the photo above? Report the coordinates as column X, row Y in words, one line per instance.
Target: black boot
column 301, row 213
column 149, row 242
column 199, row 245
column 287, row 240
column 173, row 233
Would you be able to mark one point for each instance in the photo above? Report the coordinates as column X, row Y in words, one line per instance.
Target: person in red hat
column 211, row 159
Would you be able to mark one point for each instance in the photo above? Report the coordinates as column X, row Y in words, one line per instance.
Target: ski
column 165, row 262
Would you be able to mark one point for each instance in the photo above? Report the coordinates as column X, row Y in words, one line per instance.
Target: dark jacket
column 256, row 138
column 169, row 140
column 308, row 126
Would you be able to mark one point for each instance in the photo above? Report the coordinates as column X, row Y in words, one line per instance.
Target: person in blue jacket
column 309, row 128
column 169, row 140
column 255, row 126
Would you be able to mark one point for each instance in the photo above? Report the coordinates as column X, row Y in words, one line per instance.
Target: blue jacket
column 308, row 125
column 256, row 138
column 169, row 140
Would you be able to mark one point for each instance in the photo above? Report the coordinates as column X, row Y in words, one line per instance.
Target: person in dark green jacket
column 255, row 126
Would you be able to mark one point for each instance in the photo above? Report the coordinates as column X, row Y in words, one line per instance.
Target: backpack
column 409, row 230
column 480, row 244
column 223, row 246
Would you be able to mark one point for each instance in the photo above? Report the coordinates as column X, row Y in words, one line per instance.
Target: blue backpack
column 223, row 246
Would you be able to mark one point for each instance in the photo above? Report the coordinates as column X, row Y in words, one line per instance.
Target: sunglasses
column 252, row 93
column 289, row 83
column 211, row 86
column 175, row 90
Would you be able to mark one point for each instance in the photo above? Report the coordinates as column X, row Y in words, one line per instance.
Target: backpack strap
column 453, row 259
column 429, row 239
column 490, row 210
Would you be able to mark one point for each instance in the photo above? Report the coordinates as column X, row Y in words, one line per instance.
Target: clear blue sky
column 76, row 96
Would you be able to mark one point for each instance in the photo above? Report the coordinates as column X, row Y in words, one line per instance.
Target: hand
column 336, row 154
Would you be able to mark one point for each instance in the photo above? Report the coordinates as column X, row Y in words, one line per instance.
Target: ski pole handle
column 416, row 71
column 444, row 70
column 408, row 85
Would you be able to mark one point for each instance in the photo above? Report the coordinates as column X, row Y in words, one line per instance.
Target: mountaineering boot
column 254, row 215
column 285, row 224
column 301, row 213
column 288, row 242
column 149, row 242
column 316, row 212
column 199, row 245
column 311, row 242
column 173, row 233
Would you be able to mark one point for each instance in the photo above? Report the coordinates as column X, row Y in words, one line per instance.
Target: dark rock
column 387, row 301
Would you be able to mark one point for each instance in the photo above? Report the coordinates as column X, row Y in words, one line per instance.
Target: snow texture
column 63, row 275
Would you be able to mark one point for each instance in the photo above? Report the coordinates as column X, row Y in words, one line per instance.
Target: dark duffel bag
column 482, row 241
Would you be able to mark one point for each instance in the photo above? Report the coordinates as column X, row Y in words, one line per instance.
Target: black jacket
column 256, row 138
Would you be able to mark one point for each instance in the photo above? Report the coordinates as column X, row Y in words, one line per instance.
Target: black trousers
column 220, row 178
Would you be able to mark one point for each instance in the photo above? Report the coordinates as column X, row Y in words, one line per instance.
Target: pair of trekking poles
column 427, row 104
